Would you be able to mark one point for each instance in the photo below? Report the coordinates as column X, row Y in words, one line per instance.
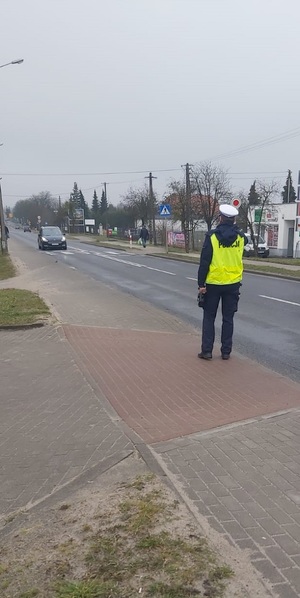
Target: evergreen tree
column 96, row 209
column 103, row 209
column 289, row 194
column 95, row 204
column 75, row 197
column 83, row 205
column 103, row 203
column 253, row 197
column 81, row 200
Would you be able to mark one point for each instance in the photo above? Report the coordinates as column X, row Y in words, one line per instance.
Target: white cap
column 228, row 211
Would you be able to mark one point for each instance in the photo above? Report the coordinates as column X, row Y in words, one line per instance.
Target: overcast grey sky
column 140, row 85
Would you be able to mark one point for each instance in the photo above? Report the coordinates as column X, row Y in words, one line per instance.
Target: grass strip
column 288, row 261
column 272, row 270
column 19, row 307
column 7, row 269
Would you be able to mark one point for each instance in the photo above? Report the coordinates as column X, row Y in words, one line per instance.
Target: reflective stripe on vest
column 226, row 266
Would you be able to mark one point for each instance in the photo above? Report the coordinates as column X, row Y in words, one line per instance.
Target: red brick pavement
column 159, row 387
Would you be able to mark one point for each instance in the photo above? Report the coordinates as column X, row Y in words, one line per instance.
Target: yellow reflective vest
column 226, row 266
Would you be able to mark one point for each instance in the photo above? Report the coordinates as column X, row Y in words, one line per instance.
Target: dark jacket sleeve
column 205, row 260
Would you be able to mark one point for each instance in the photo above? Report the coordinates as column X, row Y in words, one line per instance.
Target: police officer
column 219, row 277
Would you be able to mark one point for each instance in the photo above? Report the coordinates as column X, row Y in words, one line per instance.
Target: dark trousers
column 229, row 294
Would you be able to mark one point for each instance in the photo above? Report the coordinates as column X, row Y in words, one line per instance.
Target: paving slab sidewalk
column 52, row 425
column 242, row 480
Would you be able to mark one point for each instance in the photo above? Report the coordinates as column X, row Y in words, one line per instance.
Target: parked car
column 51, row 237
column 27, row 228
column 262, row 248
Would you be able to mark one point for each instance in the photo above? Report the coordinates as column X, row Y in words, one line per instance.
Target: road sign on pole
column 236, row 202
column 165, row 210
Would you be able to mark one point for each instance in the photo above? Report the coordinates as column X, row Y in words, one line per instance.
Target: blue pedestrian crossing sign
column 165, row 210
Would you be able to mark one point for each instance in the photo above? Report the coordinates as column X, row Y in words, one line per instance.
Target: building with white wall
column 280, row 227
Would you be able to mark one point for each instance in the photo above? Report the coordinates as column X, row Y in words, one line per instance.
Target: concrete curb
column 24, row 326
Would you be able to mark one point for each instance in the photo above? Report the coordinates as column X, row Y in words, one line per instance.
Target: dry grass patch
column 138, row 541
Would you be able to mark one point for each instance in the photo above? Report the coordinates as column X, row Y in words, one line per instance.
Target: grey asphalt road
column 267, row 326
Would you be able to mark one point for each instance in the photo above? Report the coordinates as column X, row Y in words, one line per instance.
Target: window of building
column 273, row 236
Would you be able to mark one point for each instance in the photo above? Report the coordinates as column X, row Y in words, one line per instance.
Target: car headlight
column 44, row 239
column 63, row 238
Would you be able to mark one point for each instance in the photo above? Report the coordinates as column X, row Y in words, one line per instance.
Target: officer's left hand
column 202, row 290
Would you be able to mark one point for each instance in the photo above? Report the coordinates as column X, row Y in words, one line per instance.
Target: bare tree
column 178, row 202
column 138, row 201
column 42, row 205
column 252, row 215
column 189, row 218
column 266, row 192
column 142, row 207
column 211, row 184
column 177, row 199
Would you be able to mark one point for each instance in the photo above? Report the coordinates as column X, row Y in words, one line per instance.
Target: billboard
column 79, row 214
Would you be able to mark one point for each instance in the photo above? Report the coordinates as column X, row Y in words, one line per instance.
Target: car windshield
column 51, row 230
column 260, row 240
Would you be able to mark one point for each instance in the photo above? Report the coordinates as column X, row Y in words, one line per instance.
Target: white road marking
column 72, row 267
column 60, row 252
column 190, row 278
column 121, row 261
column 80, row 250
column 113, row 252
column 157, row 270
column 280, row 300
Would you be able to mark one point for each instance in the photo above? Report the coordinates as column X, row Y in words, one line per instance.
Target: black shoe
column 225, row 356
column 206, row 356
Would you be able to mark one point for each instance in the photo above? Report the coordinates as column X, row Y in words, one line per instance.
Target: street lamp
column 4, row 248
column 3, row 233
column 19, row 61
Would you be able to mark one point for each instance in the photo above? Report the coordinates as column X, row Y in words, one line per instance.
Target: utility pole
column 3, row 233
column 188, row 208
column 152, row 204
column 105, row 192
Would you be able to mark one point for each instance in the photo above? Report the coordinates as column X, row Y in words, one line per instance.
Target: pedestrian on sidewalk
column 144, row 235
column 219, row 277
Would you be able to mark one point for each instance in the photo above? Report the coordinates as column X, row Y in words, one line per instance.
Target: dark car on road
column 27, row 228
column 51, row 237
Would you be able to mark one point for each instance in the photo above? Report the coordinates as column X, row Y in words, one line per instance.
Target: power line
column 260, row 144
column 260, row 172
column 87, row 173
column 83, row 190
column 290, row 134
